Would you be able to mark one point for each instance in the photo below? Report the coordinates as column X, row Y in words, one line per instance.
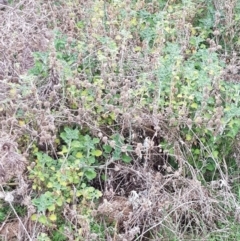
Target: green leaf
column 215, row 154
column 44, row 201
column 196, row 151
column 188, row 137
column 34, row 217
column 43, row 219
column 117, row 154
column 90, row 174
column 80, row 24
column 112, row 115
column 59, row 202
column 104, row 177
column 79, row 155
column 91, row 160
column 107, row 148
column 96, row 140
column 65, row 150
column 210, row 167
column 119, row 140
column 49, row 185
column 129, row 148
column 194, row 105
column 126, row 158
column 52, row 217
column 97, row 194
column 77, row 144
column 52, row 207
column 88, row 142
column 97, row 152
column 69, row 134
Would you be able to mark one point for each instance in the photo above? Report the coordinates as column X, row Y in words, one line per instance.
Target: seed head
column 34, row 133
column 210, row 124
column 217, row 122
column 139, row 120
column 3, row 122
column 138, row 150
column 126, row 116
column 57, row 87
column 70, row 119
column 46, row 104
column 24, row 107
column 112, row 143
column 198, row 120
column 172, row 121
column 48, row 137
column 127, row 81
column 105, row 139
column 52, row 127
column 88, row 85
column 66, row 112
column 117, row 111
column 216, row 32
column 111, row 107
column 157, row 128
column 189, row 122
column 169, row 169
column 219, row 111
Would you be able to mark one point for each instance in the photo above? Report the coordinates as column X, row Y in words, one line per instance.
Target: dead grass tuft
column 136, row 198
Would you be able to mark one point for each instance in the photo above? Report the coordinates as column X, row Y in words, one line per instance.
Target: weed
column 148, row 92
column 66, row 179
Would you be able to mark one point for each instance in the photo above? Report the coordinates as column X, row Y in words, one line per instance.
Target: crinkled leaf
column 79, row 155
column 76, row 144
column 126, row 158
column 107, row 148
column 96, row 152
column 210, row 167
column 194, row 105
column 117, row 154
column 34, row 217
column 43, row 219
column 91, row 160
column 90, row 173
column 52, row 207
column 69, row 134
column 52, row 217
column 96, row 140
column 188, row 137
column 59, row 202
column 119, row 140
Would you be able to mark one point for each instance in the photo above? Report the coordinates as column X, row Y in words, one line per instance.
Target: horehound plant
column 146, row 78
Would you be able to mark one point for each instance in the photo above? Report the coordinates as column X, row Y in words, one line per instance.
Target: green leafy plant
column 163, row 67
column 43, row 237
column 67, row 178
column 3, row 212
column 117, row 149
column 6, row 211
column 41, row 62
